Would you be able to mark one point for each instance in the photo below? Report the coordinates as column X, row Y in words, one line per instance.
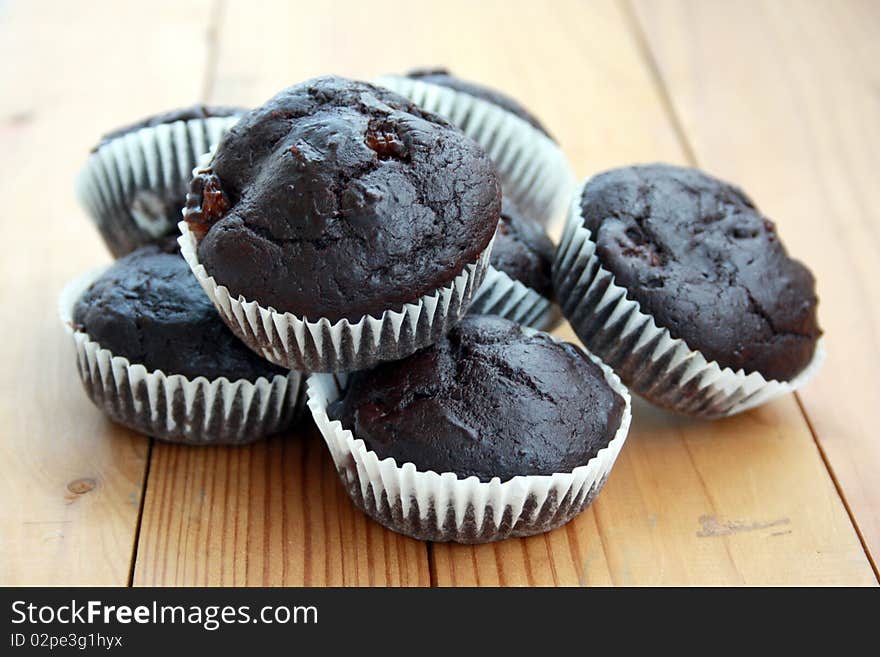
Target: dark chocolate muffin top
column 149, row 308
column 488, row 400
column 339, row 199
column 442, row 77
column 182, row 114
column 701, row 259
column 522, row 250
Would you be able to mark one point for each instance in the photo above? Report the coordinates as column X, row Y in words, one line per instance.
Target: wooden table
column 781, row 97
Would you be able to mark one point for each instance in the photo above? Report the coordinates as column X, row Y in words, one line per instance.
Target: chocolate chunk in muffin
column 337, row 199
column 182, row 114
column 443, row 78
column 149, row 308
column 701, row 259
column 522, row 250
column 489, row 400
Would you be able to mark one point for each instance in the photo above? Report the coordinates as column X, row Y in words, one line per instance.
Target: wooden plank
column 782, row 98
column 746, row 500
column 71, row 480
column 273, row 514
column 743, row 501
column 481, row 40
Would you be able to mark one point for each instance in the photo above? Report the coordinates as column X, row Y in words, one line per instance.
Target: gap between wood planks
column 140, row 515
column 651, row 64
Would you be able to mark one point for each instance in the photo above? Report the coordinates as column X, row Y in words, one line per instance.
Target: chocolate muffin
column 153, row 355
column 149, row 308
column 700, row 258
column 522, row 250
column 444, row 78
column 134, row 183
column 337, row 199
column 489, row 400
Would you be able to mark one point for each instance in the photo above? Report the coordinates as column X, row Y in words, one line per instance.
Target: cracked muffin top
column 488, row 400
column 182, row 114
column 522, row 250
column 337, row 199
column 706, row 264
column 443, row 78
column 149, row 307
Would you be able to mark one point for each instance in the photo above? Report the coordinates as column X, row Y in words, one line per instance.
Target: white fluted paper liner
column 173, row 407
column 502, row 295
column 342, row 346
column 652, row 363
column 441, row 507
column 125, row 184
column 533, row 169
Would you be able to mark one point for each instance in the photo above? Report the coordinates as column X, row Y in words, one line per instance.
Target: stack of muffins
column 379, row 252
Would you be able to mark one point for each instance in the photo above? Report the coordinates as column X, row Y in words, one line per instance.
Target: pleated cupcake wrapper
column 173, row 407
column 342, row 346
column 502, row 295
column 440, row 507
column 125, row 182
column 533, row 169
column 651, row 362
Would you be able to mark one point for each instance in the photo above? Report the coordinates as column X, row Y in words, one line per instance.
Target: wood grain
column 747, row 500
column 689, row 502
column 782, row 97
column 273, row 514
column 545, row 53
column 71, row 481
column 741, row 501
